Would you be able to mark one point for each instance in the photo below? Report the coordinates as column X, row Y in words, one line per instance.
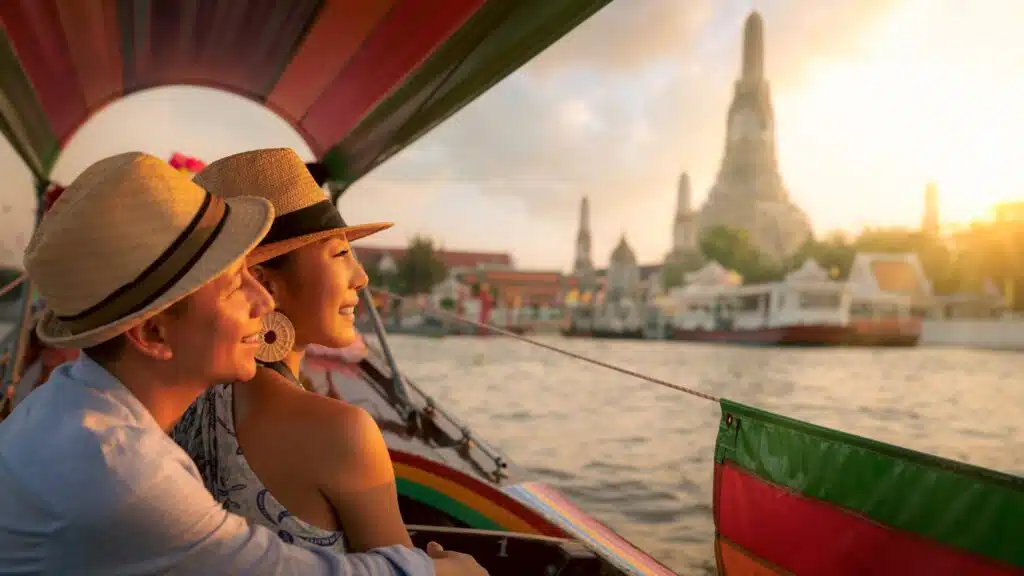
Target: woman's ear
column 263, row 276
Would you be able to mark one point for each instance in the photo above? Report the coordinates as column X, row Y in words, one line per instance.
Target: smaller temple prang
column 583, row 265
column 930, row 220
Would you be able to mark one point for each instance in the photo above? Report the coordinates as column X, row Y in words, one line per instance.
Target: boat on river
column 363, row 80
column 807, row 308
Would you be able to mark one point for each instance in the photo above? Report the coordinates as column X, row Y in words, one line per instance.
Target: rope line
column 434, row 311
column 12, row 284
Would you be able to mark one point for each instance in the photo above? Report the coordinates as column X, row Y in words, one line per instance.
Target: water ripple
column 639, row 457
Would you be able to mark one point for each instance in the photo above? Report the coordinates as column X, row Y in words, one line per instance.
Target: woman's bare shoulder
column 327, row 431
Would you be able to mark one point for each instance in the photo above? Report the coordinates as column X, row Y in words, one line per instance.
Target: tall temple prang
column 748, row 192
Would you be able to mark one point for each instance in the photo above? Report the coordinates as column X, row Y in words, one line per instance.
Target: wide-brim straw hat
column 304, row 214
column 127, row 239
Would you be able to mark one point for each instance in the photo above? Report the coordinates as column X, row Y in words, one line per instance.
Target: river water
column 639, row 456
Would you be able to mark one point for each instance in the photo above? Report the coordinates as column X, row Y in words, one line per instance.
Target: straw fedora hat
column 128, row 238
column 304, row 214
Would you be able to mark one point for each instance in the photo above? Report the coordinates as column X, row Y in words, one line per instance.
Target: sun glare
column 933, row 96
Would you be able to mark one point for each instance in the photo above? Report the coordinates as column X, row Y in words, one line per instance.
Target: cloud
column 614, row 111
column 617, row 110
column 625, row 36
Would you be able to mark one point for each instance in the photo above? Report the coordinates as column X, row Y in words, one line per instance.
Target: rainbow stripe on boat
column 471, row 501
column 598, row 537
column 795, row 498
column 527, row 508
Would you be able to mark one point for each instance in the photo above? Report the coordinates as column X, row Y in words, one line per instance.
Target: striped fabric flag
column 795, row 498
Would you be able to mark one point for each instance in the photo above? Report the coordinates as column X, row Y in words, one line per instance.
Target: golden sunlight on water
column 639, row 457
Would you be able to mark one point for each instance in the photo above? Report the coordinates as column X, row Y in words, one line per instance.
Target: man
column 144, row 271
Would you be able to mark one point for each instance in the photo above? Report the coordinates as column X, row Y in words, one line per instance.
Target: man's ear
column 150, row 338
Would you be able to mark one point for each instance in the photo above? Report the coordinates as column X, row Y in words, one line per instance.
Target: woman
column 312, row 468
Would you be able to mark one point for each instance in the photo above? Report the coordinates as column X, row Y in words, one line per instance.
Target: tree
column 990, row 250
column 732, row 248
column 373, row 272
column 420, row 268
column 835, row 252
column 677, row 266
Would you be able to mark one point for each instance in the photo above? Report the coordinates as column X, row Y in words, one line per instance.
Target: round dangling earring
column 278, row 338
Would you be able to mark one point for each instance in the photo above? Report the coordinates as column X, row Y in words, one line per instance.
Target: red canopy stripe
column 337, row 35
column 93, row 38
column 324, row 65
column 412, row 30
column 37, row 35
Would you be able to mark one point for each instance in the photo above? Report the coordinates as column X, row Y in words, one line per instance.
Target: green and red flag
column 795, row 498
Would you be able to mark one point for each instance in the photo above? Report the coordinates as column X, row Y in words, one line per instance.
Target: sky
column 873, row 99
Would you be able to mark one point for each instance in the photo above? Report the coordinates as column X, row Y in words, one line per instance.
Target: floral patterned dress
column 207, row 433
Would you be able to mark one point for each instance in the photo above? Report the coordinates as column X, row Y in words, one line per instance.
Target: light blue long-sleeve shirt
column 90, row 484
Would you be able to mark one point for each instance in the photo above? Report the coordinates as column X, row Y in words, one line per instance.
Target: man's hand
column 453, row 563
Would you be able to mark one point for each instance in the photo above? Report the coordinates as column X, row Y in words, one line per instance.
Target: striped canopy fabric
column 794, row 498
column 359, row 79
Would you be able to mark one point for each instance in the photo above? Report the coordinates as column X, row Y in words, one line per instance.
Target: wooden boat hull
column 811, row 335
column 900, row 333
column 467, row 330
column 807, row 335
column 604, row 334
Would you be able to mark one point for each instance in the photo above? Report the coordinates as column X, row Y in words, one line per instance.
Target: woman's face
column 318, row 290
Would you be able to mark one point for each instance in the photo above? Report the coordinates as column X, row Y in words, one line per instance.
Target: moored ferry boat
column 617, row 321
column 806, row 309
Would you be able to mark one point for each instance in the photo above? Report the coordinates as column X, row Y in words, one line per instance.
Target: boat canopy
column 359, row 79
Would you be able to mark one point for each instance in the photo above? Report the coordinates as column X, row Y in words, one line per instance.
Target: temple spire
column 683, row 196
column 753, row 48
column 930, row 221
column 583, row 264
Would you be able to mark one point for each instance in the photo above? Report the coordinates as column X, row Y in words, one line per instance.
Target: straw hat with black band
column 128, row 238
column 304, row 213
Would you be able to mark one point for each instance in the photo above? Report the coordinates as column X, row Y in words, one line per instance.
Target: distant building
column 623, row 273
column 648, row 279
column 455, row 260
column 521, row 288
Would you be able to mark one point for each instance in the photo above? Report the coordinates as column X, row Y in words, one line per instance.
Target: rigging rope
column 12, row 285
column 437, row 312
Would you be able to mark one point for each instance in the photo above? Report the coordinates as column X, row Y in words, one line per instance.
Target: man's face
column 215, row 333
